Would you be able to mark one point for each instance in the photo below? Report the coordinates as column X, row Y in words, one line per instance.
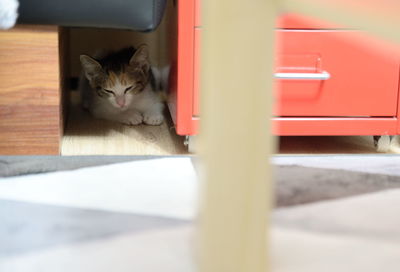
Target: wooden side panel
column 233, row 143
column 29, row 91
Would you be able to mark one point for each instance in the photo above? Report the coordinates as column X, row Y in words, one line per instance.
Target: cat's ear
column 141, row 58
column 91, row 67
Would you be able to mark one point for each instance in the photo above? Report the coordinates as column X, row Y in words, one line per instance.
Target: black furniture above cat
column 139, row 15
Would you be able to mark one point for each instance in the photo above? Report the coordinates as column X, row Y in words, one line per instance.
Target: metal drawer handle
column 306, row 76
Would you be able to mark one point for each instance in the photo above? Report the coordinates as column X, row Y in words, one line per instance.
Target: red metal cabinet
column 343, row 78
column 182, row 97
column 353, row 89
column 297, row 21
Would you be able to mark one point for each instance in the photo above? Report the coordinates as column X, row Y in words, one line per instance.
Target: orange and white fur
column 121, row 87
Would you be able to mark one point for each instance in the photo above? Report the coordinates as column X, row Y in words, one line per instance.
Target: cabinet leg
column 383, row 143
column 191, row 143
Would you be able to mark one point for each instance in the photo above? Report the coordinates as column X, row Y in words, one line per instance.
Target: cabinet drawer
column 339, row 76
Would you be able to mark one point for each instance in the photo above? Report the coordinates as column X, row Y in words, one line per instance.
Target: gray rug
column 23, row 165
column 294, row 184
column 26, row 226
column 299, row 185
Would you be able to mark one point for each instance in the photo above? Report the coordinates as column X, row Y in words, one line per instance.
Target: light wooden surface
column 29, row 91
column 378, row 17
column 85, row 135
column 235, row 139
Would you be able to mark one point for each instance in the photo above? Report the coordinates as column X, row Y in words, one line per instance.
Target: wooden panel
column 235, row 141
column 29, row 91
column 363, row 81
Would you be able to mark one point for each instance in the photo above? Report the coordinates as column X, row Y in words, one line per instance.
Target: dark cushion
column 140, row 15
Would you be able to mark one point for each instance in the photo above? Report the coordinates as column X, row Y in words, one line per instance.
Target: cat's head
column 119, row 77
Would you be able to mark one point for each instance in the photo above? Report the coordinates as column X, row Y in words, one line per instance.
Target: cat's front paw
column 134, row 119
column 153, row 119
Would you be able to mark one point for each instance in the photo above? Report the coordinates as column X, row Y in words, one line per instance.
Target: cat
column 121, row 87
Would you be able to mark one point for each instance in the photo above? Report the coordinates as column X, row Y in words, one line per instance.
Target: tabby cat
column 121, row 87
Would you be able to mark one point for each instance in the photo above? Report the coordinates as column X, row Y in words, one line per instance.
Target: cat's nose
column 120, row 101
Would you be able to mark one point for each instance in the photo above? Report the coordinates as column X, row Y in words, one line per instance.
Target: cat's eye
column 108, row 91
column 128, row 89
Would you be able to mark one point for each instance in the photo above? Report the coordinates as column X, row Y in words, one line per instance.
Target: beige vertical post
column 235, row 139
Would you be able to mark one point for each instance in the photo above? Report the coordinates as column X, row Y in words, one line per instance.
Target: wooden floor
column 85, row 135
